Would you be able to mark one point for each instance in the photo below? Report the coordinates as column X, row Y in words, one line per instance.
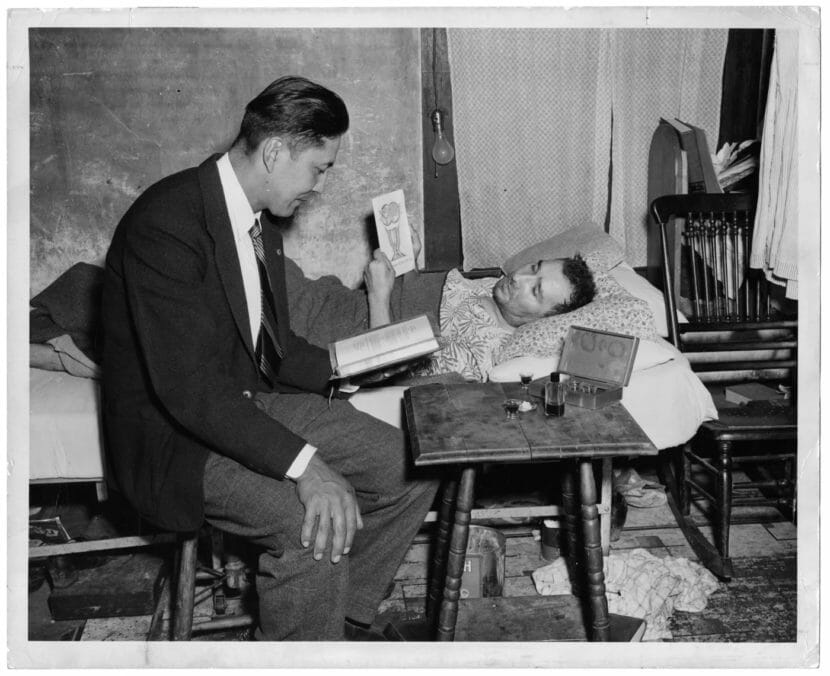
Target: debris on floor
column 637, row 491
column 639, row 584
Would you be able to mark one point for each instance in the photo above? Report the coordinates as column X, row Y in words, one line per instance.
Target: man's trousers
column 302, row 599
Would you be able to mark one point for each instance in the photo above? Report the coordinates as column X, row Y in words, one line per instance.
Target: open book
column 381, row 347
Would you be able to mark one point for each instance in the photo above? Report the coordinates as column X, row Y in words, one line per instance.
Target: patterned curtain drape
column 534, row 112
column 532, row 121
column 656, row 73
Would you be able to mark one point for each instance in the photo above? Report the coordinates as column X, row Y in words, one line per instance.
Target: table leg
column 597, row 601
column 606, row 504
column 457, row 554
column 571, row 526
column 442, row 541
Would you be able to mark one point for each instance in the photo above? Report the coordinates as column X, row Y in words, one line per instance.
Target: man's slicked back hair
column 301, row 111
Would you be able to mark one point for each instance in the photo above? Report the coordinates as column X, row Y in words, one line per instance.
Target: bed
column 64, row 428
column 664, row 396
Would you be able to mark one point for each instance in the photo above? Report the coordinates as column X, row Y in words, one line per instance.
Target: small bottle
column 554, row 396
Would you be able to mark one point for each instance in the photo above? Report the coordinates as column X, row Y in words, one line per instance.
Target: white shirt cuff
column 301, row 461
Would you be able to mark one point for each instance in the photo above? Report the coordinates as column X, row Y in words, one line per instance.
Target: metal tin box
column 599, row 364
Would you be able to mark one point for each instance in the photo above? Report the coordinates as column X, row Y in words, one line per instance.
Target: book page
column 383, row 340
column 394, row 237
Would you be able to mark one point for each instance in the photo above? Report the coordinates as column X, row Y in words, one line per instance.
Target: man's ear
column 271, row 148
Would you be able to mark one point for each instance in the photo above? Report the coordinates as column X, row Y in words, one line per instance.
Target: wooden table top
column 464, row 423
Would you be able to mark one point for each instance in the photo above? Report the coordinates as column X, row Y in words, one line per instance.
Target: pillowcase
column 613, row 309
column 639, row 286
column 583, row 239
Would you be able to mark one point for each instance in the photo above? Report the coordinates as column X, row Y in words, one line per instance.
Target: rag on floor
column 637, row 491
column 639, row 584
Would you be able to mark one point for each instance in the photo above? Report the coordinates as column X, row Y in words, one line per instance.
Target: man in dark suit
column 214, row 410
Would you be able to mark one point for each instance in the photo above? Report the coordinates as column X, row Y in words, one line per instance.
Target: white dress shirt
column 242, row 220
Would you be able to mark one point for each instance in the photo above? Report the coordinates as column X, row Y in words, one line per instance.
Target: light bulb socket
column 437, row 117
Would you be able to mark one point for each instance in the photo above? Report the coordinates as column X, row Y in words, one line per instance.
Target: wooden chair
column 226, row 569
column 735, row 334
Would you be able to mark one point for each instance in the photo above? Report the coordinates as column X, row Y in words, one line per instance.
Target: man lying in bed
column 476, row 316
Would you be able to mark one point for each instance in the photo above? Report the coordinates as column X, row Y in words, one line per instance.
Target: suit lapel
column 218, row 225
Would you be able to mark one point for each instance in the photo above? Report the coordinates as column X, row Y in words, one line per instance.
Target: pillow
column 613, row 309
column 583, row 239
column 639, row 286
column 649, row 353
column 653, row 353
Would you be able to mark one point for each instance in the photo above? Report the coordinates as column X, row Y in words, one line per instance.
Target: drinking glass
column 511, row 408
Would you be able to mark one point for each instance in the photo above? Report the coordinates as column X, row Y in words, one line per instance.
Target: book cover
column 688, row 143
column 707, row 179
column 377, row 348
column 747, row 392
column 394, row 236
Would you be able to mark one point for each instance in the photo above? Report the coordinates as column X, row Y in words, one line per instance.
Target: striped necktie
column 268, row 350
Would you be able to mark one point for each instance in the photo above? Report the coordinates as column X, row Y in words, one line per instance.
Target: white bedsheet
column 64, row 427
column 667, row 400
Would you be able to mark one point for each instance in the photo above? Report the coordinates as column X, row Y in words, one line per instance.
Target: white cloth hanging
column 775, row 238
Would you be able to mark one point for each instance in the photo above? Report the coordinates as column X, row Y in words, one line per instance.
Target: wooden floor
column 757, row 605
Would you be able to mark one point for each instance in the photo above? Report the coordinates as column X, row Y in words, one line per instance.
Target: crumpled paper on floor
column 639, row 584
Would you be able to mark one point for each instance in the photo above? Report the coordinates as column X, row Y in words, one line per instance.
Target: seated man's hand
column 331, row 509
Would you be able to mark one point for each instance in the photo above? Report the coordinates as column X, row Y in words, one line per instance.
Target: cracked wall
column 115, row 109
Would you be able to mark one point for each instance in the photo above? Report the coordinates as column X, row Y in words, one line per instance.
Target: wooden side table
column 464, row 425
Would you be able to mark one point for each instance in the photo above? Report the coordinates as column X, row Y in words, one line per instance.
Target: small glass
column 511, row 408
column 555, row 398
column 525, row 379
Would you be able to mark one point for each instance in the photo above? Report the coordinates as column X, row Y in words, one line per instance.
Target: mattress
column 667, row 400
column 64, row 428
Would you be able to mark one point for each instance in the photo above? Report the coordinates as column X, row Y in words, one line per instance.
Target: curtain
column 775, row 239
column 539, row 114
column 532, row 122
column 656, row 73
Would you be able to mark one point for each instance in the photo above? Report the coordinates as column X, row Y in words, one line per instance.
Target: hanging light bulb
column 442, row 151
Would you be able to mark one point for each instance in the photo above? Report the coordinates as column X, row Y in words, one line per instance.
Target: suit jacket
column 179, row 371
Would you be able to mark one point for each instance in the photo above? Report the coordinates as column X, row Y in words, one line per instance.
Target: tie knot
column 256, row 229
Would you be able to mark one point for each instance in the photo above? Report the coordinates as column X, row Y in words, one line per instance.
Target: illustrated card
column 394, row 237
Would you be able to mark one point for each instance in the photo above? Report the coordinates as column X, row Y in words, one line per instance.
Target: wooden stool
column 185, row 593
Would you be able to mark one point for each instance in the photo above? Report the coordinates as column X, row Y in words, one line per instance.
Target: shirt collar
column 239, row 209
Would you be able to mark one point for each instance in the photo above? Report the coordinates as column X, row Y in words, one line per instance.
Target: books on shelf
column 734, row 162
column 381, row 347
